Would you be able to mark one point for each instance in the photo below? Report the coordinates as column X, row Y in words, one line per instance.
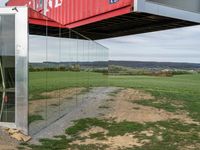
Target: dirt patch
column 7, row 147
column 189, row 147
column 37, row 106
column 116, row 142
column 6, row 142
column 177, row 104
column 148, row 133
column 63, row 93
column 87, row 106
column 123, row 109
column 134, row 95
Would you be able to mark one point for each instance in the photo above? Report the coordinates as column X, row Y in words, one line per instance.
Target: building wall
column 14, row 48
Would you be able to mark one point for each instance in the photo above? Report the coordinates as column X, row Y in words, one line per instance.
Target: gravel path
column 88, row 105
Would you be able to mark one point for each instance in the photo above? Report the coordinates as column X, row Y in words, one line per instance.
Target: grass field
column 48, row 81
column 180, row 88
column 185, row 88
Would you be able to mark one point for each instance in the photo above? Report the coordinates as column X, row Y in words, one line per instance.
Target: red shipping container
column 29, row 3
column 74, row 13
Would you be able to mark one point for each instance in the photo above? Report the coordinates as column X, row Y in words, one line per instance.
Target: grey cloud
column 179, row 45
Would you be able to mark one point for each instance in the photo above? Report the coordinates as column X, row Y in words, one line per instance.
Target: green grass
column 166, row 105
column 181, row 89
column 48, row 81
column 113, row 127
column 84, row 124
column 174, row 135
column 184, row 88
column 62, row 142
column 98, row 136
column 33, row 118
column 104, row 107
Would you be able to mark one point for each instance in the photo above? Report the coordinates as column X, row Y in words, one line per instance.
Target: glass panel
column 37, row 82
column 60, row 73
column 53, row 75
column 80, row 73
column 7, row 68
column 68, row 73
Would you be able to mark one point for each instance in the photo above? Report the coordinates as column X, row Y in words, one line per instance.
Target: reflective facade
column 14, row 68
column 63, row 67
column 45, row 71
column 7, row 68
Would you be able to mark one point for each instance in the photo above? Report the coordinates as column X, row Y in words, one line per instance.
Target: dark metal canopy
column 128, row 24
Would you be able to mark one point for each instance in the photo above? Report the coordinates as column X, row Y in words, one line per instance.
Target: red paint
column 81, row 11
column 29, row 3
column 100, row 17
column 73, row 13
column 39, row 19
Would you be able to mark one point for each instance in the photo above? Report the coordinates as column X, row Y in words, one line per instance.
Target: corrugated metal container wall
column 70, row 11
column 78, row 12
column 29, row 3
column 34, row 4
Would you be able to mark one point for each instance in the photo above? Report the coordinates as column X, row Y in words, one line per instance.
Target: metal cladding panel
column 177, row 9
column 69, row 12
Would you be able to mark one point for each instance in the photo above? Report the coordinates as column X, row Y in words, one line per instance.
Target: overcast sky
column 178, row 45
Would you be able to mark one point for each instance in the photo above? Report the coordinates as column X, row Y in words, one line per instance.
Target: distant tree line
column 120, row 70
column 74, row 67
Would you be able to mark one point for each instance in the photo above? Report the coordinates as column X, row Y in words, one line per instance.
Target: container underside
column 128, row 24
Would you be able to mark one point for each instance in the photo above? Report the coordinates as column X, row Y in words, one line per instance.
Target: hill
column 155, row 65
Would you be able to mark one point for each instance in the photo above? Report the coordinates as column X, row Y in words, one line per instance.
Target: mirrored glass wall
column 7, row 68
column 64, row 67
